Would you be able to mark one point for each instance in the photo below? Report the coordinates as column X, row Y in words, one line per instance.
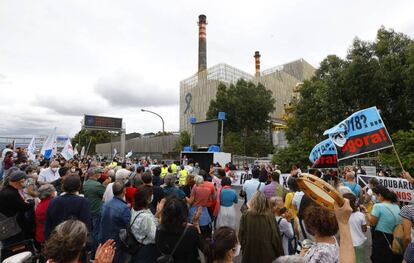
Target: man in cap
column 94, row 191
column 12, row 204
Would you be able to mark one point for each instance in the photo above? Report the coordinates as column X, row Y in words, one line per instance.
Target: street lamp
column 163, row 132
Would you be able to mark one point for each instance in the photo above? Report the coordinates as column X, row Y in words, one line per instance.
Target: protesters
column 67, row 242
column 68, row 205
column 49, row 175
column 407, row 215
column 200, row 197
column 274, row 188
column 173, row 226
column 293, row 188
column 156, row 179
column 322, row 224
column 94, row 191
column 170, row 188
column 350, row 182
column 258, row 243
column 223, row 247
column 157, row 192
column 144, row 225
column 116, row 215
column 384, row 216
column 183, row 176
column 224, row 211
column 13, row 205
column 253, row 185
column 283, row 218
column 46, row 193
column 189, row 183
column 358, row 226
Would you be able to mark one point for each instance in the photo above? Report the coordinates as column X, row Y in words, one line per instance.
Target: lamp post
column 158, row 116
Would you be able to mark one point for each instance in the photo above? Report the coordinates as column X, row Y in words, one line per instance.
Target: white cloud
column 61, row 59
column 124, row 88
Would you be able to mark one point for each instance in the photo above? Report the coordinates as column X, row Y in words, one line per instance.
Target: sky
column 62, row 59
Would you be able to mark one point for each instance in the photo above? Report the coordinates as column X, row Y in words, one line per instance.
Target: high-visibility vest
column 174, row 168
column 183, row 177
column 164, row 171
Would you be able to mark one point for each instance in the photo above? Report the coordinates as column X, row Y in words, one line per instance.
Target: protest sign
column 360, row 133
column 323, row 155
column 401, row 187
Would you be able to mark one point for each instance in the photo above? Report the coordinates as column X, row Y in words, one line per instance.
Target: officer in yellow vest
column 183, row 176
column 173, row 167
column 164, row 171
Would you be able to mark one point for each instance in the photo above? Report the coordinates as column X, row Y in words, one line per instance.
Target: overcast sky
column 60, row 59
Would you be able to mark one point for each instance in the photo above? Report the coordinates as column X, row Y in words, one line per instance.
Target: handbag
column 168, row 258
column 129, row 243
column 8, row 227
column 398, row 237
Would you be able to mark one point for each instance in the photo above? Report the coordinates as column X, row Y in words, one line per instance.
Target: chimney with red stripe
column 202, row 43
column 257, row 62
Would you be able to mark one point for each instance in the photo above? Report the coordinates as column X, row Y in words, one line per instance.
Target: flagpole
column 398, row 158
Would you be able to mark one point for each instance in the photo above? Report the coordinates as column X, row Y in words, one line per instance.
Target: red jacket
column 40, row 218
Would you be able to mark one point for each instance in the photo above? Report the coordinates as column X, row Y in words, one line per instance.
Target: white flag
column 49, row 145
column 75, row 152
column 83, row 151
column 115, row 152
column 31, row 149
column 67, row 151
column 129, row 154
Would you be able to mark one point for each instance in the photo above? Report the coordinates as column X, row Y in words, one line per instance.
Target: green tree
column 404, row 144
column 183, row 141
column 379, row 73
column 247, row 107
column 83, row 137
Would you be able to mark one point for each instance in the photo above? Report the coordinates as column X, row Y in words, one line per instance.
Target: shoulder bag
column 168, row 258
column 129, row 243
column 398, row 234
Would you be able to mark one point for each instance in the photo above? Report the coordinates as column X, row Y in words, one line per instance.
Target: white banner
column 401, row 187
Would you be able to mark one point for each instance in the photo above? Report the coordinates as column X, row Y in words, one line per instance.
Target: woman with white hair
column 200, row 197
column 170, row 188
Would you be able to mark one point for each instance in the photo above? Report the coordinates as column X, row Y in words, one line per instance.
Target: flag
column 48, row 145
column 323, row 155
column 67, row 151
column 362, row 132
column 115, row 152
column 83, row 151
column 129, row 154
column 31, row 149
column 75, row 152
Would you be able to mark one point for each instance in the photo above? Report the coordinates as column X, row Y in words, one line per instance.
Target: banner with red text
column 401, row 187
column 362, row 132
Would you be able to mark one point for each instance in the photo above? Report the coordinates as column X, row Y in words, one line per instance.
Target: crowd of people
column 88, row 210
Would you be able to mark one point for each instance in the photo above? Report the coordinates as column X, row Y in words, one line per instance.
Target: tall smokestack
column 202, row 43
column 257, row 62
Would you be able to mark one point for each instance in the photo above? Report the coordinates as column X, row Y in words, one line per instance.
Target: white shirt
column 286, row 231
column 48, row 176
column 108, row 194
column 356, row 221
column 297, row 198
column 251, row 186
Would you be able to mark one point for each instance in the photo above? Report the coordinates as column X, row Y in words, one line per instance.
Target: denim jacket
column 116, row 215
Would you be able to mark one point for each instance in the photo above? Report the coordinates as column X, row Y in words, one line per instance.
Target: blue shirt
column 174, row 191
column 251, row 186
column 355, row 188
column 115, row 216
column 228, row 197
column 388, row 216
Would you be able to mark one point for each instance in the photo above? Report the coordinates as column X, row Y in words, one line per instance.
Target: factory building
column 198, row 90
